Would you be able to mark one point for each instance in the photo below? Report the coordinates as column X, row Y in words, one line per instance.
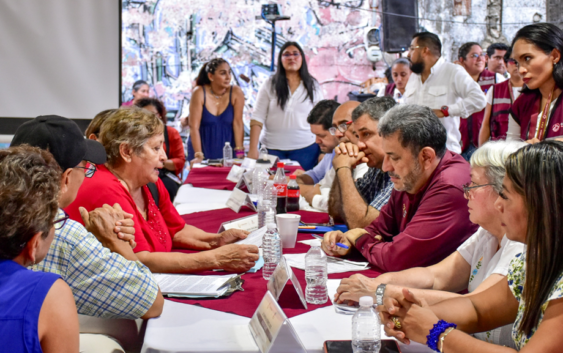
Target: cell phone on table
column 387, row 346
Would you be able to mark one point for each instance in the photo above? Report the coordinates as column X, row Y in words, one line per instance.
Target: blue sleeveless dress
column 214, row 131
column 22, row 293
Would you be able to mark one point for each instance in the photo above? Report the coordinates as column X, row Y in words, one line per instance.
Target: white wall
column 59, row 57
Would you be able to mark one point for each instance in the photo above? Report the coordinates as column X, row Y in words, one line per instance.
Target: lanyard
column 544, row 118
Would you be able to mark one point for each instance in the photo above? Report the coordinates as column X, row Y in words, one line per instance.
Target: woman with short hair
column 479, row 263
column 93, row 130
column 37, row 309
column 400, row 73
column 530, row 205
column 282, row 106
column 139, row 91
column 133, row 139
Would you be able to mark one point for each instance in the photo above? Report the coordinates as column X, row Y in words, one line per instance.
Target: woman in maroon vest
column 499, row 100
column 537, row 114
column 400, row 71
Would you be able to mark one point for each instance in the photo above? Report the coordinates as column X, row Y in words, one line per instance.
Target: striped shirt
column 375, row 187
column 104, row 284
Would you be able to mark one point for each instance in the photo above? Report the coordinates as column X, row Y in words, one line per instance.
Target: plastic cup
column 288, row 225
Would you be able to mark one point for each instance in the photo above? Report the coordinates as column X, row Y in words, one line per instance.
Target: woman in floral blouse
column 531, row 204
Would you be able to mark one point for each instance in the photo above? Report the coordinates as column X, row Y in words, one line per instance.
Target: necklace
column 217, row 97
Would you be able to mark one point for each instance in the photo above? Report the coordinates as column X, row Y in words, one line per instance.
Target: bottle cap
column 293, row 177
column 366, row 301
column 271, row 226
column 227, row 143
column 280, row 165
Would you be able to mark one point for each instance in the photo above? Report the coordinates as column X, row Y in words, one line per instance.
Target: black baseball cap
column 63, row 138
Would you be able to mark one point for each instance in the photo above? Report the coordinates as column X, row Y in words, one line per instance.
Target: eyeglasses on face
column 411, row 48
column 467, row 188
column 295, row 54
column 60, row 222
column 342, row 128
column 511, row 61
column 475, row 55
column 89, row 170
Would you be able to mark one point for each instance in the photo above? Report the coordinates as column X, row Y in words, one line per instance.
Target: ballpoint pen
column 340, row 245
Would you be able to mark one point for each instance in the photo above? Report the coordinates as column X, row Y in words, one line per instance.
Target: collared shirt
column 375, row 187
column 424, row 228
column 448, row 84
column 397, row 95
column 104, row 284
column 320, row 202
column 285, row 129
column 320, row 170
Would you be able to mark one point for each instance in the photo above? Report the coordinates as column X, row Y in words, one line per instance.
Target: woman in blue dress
column 37, row 309
column 215, row 113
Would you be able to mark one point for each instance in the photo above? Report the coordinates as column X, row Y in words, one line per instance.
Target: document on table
column 344, row 308
column 254, row 238
column 190, row 285
column 334, row 265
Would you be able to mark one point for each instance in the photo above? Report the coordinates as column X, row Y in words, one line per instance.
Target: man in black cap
column 79, row 254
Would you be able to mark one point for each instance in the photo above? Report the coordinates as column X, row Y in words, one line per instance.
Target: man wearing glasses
column 472, row 58
column 105, row 283
column 444, row 87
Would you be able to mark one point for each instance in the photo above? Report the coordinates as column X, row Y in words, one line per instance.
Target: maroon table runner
column 216, row 177
column 245, row 303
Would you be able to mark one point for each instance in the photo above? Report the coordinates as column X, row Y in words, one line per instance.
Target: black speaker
column 399, row 23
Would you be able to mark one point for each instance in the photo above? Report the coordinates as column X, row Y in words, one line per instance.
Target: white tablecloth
column 190, row 199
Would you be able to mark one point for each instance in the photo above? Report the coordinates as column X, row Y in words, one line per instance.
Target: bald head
column 342, row 115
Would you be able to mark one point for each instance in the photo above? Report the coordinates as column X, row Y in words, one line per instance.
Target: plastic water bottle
column 266, row 212
column 316, row 275
column 259, row 178
column 366, row 328
column 272, row 250
column 263, row 153
column 227, row 155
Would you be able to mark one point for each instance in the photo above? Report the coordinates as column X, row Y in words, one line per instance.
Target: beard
column 417, row 67
column 410, row 179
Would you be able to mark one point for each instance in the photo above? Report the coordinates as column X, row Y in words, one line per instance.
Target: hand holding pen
column 336, row 244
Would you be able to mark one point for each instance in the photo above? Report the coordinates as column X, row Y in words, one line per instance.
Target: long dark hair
column 535, row 170
column 208, row 68
column 279, row 81
column 547, row 37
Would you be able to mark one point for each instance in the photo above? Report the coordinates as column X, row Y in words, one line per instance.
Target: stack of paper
column 193, row 286
column 334, row 264
column 254, row 238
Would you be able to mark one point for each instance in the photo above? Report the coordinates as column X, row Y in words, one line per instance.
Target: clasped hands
column 348, row 155
column 110, row 224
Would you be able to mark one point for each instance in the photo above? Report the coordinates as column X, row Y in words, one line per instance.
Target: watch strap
column 379, row 292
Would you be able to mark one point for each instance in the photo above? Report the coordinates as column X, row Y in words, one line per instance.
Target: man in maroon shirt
column 426, row 218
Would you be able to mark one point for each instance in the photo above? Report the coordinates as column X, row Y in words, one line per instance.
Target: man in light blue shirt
column 320, row 119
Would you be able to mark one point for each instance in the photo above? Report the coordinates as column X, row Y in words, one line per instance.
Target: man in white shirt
column 444, row 87
column 495, row 61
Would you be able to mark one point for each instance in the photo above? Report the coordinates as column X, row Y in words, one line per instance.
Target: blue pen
column 340, row 245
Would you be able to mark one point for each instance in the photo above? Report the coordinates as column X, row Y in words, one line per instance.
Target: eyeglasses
column 413, row 48
column 511, row 61
column 467, row 188
column 59, row 223
column 89, row 170
column 342, row 128
column 295, row 54
column 475, row 56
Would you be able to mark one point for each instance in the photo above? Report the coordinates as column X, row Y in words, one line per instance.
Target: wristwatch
column 444, row 110
column 379, row 294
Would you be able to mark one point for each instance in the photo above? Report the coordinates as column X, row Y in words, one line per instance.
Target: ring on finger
column 396, row 321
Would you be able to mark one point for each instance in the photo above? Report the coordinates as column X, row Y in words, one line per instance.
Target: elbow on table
column 156, row 309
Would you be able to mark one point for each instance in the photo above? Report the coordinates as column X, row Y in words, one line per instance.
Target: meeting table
column 222, row 324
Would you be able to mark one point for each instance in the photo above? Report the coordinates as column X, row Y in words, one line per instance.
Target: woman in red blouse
column 133, row 139
column 173, row 147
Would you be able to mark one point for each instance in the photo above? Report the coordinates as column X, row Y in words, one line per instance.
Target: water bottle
column 266, row 213
column 280, row 182
column 316, row 275
column 366, row 328
column 272, row 250
column 227, row 155
column 263, row 153
column 293, row 194
column 259, row 178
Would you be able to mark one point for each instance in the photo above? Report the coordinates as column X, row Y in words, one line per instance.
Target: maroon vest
column 470, row 127
column 528, row 103
column 502, row 101
column 389, row 90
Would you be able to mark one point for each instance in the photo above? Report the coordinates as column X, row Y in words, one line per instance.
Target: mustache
column 391, row 174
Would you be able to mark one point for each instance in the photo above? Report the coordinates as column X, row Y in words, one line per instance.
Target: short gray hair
column 418, row 127
column 492, row 156
column 374, row 107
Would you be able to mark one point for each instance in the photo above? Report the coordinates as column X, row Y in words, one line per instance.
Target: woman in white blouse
column 479, row 263
column 282, row 106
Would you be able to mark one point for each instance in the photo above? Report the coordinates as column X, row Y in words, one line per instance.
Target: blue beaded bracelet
column 434, row 335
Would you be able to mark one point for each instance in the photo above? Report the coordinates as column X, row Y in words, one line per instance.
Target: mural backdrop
column 166, row 42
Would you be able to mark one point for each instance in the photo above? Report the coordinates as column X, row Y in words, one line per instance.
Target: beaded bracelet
column 435, row 332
